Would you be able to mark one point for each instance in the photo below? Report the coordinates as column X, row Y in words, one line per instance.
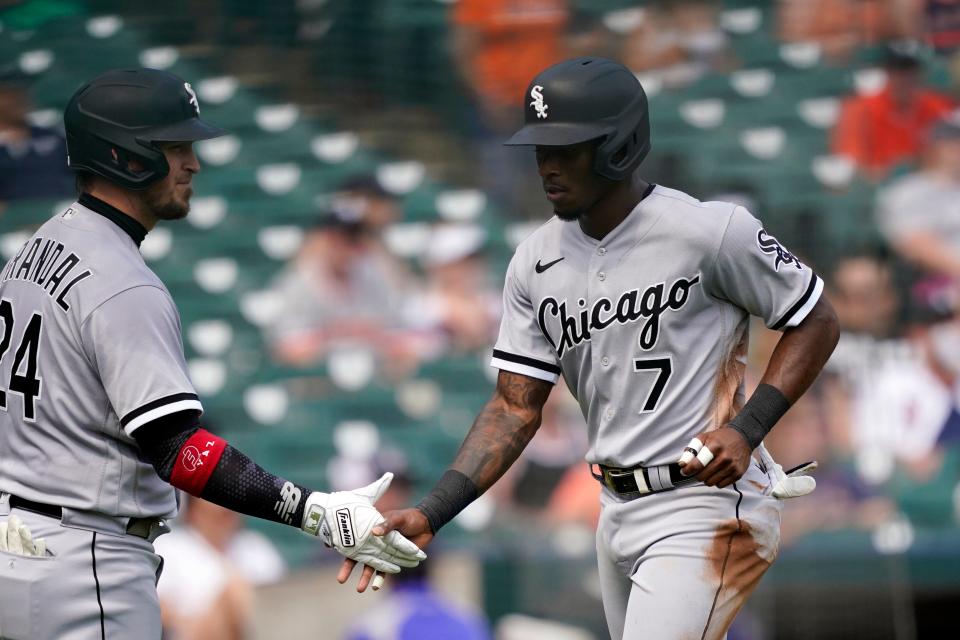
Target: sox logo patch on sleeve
column 769, row 244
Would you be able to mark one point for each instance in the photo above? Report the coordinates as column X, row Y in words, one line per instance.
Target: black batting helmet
column 122, row 115
column 589, row 99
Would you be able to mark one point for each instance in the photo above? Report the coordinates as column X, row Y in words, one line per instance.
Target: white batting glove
column 786, row 485
column 15, row 537
column 345, row 521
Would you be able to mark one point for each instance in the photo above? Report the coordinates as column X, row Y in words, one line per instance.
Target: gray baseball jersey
column 649, row 325
column 91, row 350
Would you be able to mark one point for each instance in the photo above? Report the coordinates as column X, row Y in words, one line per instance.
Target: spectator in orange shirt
column 842, row 27
column 498, row 45
column 882, row 130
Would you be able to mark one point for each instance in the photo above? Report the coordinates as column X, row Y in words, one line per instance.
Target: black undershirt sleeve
column 237, row 482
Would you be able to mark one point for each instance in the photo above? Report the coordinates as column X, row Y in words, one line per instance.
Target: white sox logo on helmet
column 538, row 104
column 769, row 244
column 193, row 97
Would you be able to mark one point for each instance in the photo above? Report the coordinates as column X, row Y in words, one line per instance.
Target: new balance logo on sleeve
column 288, row 502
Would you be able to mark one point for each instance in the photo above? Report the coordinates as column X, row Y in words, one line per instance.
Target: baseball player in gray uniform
column 640, row 297
column 98, row 417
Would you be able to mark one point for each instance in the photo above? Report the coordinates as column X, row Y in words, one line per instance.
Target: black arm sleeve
column 237, row 482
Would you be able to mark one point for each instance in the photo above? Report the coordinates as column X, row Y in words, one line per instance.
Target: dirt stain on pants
column 736, row 560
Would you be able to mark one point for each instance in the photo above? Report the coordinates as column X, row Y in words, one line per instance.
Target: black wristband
column 451, row 495
column 763, row 409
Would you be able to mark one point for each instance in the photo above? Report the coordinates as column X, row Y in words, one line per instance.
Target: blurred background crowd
column 339, row 280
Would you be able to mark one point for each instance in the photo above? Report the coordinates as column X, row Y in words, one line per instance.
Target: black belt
column 640, row 481
column 146, row 528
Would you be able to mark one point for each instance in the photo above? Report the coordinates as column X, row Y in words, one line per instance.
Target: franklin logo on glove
column 346, row 527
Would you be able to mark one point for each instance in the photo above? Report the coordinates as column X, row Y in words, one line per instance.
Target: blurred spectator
column 936, row 332
column 902, row 394
column 864, row 296
column 211, row 565
column 33, row 160
column 588, row 35
column 919, row 214
column 338, row 290
column 841, row 27
column 862, row 290
column 361, row 197
column 941, row 22
column 927, row 402
column 879, row 131
column 498, row 46
column 680, row 40
column 413, row 610
column 460, row 306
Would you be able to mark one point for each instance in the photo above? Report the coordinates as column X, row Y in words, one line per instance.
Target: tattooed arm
column 502, row 429
column 500, row 432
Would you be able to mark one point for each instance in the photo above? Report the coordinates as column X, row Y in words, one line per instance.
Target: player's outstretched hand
column 345, row 521
column 409, row 522
column 717, row 458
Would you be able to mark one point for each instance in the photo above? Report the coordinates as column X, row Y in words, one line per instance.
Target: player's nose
column 191, row 162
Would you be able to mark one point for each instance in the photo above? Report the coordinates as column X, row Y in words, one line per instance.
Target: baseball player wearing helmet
column 98, row 417
column 640, row 296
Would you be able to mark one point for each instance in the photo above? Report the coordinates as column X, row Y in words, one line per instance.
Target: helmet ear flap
column 623, row 151
column 112, row 161
column 618, row 156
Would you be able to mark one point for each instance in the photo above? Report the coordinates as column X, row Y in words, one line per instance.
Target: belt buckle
column 149, row 530
column 157, row 528
column 609, row 474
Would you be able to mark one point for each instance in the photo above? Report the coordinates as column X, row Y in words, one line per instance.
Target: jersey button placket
column 596, row 291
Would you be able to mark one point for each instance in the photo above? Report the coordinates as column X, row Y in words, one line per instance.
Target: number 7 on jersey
column 663, row 367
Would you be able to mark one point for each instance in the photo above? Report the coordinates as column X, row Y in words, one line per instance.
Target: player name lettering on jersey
column 630, row 307
column 42, row 263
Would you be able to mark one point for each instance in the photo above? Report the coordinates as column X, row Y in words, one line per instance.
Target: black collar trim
column 131, row 227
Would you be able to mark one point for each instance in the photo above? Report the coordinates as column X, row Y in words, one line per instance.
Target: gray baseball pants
column 680, row 564
column 93, row 583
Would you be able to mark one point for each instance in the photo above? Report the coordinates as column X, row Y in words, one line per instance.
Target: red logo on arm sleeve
column 196, row 461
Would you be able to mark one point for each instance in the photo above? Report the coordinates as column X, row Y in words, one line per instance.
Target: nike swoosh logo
column 540, row 268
